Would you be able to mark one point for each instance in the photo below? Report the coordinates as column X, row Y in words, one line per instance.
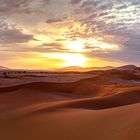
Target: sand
column 121, row 123
column 81, row 110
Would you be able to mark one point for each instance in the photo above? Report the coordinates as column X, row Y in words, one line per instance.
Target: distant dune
column 3, row 68
column 127, row 67
column 80, row 69
column 75, row 68
column 122, row 68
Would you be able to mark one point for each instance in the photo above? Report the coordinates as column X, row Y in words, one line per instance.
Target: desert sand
column 95, row 108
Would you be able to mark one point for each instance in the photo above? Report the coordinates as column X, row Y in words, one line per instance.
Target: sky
column 51, row 34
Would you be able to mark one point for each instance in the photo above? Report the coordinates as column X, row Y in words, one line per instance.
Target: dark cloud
column 105, row 6
column 54, row 20
column 13, row 5
column 88, row 3
column 75, row 1
column 52, row 44
column 129, row 57
column 104, row 14
column 9, row 7
column 47, row 1
column 10, row 34
column 135, row 2
column 47, row 47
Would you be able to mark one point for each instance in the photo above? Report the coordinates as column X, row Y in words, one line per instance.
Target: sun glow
column 76, row 46
column 101, row 45
column 75, row 60
column 69, row 59
column 80, row 45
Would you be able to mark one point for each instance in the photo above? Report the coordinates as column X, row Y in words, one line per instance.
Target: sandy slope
column 111, row 124
column 40, row 92
column 70, row 111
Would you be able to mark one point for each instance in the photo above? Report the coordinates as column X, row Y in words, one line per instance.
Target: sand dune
column 77, row 124
column 90, row 109
column 82, row 94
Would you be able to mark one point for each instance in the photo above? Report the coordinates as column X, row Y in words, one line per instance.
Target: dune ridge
column 96, row 96
column 105, row 107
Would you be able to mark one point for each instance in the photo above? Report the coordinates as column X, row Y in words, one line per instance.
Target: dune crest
column 103, row 105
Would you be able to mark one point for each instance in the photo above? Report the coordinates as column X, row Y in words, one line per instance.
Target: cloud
column 75, row 1
column 14, row 5
column 115, row 21
column 54, row 20
column 118, row 19
column 11, row 34
column 52, row 47
column 129, row 57
column 52, row 44
column 88, row 3
column 9, row 7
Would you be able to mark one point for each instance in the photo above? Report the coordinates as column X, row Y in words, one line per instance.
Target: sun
column 75, row 60
column 69, row 59
column 76, row 45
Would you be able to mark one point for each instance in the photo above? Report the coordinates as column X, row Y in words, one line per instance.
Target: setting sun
column 76, row 46
column 75, row 60
column 69, row 59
